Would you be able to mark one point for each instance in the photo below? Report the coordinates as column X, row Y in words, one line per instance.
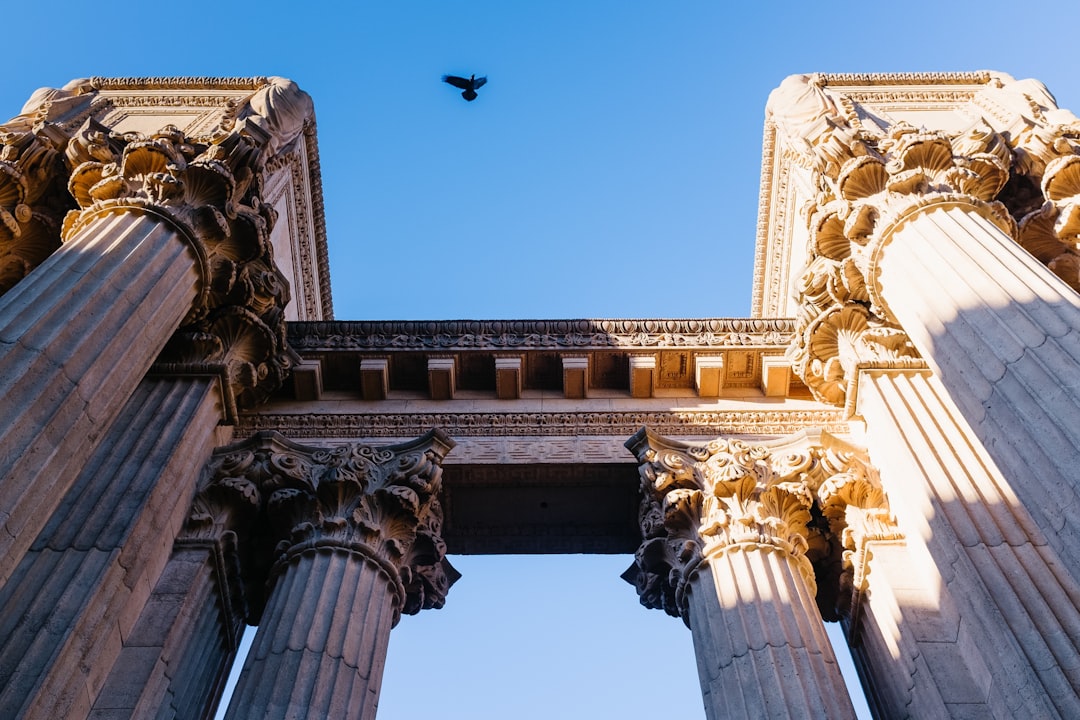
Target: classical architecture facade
column 189, row 442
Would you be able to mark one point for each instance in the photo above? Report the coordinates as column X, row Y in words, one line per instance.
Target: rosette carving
column 700, row 501
column 279, row 499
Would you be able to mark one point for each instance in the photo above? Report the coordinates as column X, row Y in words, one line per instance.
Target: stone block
column 775, row 375
column 709, row 375
column 374, row 378
column 307, row 380
column 642, row 375
column 508, row 377
column 442, row 378
column 575, row 376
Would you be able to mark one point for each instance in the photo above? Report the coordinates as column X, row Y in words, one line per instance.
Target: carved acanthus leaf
column 699, row 501
column 1018, row 160
column 379, row 502
column 32, row 198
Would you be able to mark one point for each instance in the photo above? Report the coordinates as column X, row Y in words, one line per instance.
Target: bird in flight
column 469, row 85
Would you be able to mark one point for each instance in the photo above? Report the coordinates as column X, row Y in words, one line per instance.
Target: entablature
column 523, row 359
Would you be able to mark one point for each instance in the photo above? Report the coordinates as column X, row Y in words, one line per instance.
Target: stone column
column 982, row 574
column 920, row 311
column 913, row 259
column 725, row 530
column 76, row 596
column 170, row 232
column 1002, row 334
column 358, row 543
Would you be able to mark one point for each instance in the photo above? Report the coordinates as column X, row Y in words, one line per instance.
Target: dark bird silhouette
column 470, row 85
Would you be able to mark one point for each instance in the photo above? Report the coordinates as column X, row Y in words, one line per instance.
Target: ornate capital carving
column 811, row 496
column 210, row 191
column 871, row 180
column 33, row 199
column 281, row 499
column 1052, row 232
column 701, row 501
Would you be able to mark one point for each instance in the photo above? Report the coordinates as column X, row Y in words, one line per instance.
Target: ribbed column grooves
column 761, row 645
column 321, row 646
column 78, row 592
column 1010, row 590
column 1003, row 334
column 76, row 336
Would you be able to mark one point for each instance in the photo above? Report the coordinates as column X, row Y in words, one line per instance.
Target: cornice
column 979, row 77
column 384, row 336
column 182, row 82
column 318, row 212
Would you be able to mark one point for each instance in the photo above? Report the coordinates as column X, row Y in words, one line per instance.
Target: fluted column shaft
column 983, row 575
column 761, row 645
column 725, row 530
column 321, row 646
column 78, row 592
column 175, row 661
column 76, row 336
column 1002, row 333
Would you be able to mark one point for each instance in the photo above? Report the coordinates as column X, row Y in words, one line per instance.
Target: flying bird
column 469, row 85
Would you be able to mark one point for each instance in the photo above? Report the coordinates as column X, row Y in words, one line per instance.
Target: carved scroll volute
column 855, row 506
column 700, row 501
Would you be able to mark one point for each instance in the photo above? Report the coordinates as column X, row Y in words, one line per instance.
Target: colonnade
column 140, row 537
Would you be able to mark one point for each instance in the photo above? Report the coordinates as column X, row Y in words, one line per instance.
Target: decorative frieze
column 547, row 424
column 573, row 335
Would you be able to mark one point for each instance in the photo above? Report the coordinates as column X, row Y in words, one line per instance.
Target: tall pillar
column 170, row 232
column 990, row 578
column 725, row 530
column 921, row 313
column 76, row 595
column 354, row 541
column 1002, row 335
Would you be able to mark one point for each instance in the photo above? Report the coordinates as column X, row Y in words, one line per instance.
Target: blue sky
column 608, row 169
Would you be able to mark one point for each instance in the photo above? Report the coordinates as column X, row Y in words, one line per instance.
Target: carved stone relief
column 1014, row 163
column 267, row 500
column 811, row 497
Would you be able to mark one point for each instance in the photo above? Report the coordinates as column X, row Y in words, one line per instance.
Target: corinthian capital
column 282, row 500
column 210, row 190
column 701, row 501
column 33, row 199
